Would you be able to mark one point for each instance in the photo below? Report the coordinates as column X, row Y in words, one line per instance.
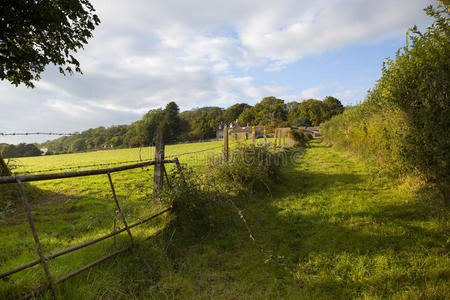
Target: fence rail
column 38, row 177
column 158, row 163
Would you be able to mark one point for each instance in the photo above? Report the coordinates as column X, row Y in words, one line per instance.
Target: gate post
column 254, row 135
column 225, row 144
column 264, row 133
column 159, row 157
column 277, row 132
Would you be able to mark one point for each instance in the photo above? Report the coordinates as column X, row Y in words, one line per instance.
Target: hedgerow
column 404, row 122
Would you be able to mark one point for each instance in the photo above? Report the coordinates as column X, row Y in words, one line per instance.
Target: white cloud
column 196, row 53
column 314, row 92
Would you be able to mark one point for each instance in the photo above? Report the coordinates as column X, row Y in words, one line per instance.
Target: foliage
column 199, row 208
column 37, row 33
column 334, row 106
column 233, row 112
column 251, row 168
column 404, row 122
column 270, row 110
column 20, row 150
column 310, row 112
column 201, row 123
column 299, row 137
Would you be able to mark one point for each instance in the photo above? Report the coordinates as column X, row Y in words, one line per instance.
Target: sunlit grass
column 330, row 229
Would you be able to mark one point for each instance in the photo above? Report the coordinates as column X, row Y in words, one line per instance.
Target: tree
column 233, row 112
column 10, row 151
column 150, row 122
column 335, row 106
column 270, row 110
column 313, row 111
column 35, row 33
column 171, row 123
column 247, row 117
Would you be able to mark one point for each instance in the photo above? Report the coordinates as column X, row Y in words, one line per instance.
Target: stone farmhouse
column 236, row 132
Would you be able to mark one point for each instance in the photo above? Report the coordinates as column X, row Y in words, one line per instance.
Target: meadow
column 70, row 211
column 329, row 228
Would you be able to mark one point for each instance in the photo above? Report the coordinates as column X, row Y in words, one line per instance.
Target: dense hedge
column 404, row 122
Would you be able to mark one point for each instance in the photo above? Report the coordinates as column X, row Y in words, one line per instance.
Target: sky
column 198, row 53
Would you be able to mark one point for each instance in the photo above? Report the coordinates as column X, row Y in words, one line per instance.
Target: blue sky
column 203, row 53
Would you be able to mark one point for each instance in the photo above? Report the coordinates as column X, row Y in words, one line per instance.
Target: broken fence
column 43, row 259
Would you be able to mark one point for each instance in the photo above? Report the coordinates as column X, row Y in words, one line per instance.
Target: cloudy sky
column 146, row 53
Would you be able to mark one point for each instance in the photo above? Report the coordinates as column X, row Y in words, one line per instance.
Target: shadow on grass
column 62, row 221
column 322, row 234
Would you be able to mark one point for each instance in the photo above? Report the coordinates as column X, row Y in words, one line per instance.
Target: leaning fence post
column 35, row 236
column 159, row 157
column 225, row 144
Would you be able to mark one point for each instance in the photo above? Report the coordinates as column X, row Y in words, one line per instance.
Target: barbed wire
column 35, row 133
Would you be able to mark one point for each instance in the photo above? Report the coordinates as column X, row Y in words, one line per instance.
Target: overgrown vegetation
column 300, row 138
column 404, row 123
column 250, row 168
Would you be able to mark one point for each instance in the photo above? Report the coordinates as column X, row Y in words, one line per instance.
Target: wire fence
column 35, row 133
column 79, row 167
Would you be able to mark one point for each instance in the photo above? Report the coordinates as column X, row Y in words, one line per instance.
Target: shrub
column 198, row 207
column 300, row 138
column 251, row 168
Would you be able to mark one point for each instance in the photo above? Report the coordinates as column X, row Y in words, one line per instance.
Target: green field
column 329, row 229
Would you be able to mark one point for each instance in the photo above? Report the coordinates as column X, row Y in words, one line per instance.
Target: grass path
column 341, row 232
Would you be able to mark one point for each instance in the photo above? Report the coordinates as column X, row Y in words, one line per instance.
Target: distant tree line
column 192, row 125
column 20, row 150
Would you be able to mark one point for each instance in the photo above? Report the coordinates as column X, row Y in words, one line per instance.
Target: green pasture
column 70, row 211
column 330, row 229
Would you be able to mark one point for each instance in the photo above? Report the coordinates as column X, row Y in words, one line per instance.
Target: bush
column 300, row 138
column 250, row 168
column 198, row 206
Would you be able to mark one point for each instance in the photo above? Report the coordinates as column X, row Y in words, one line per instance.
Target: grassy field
column 70, row 211
column 329, row 229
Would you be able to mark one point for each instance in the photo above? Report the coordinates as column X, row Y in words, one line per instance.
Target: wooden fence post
column 275, row 139
column 4, row 170
column 254, row 135
column 264, row 133
column 159, row 157
column 225, row 144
